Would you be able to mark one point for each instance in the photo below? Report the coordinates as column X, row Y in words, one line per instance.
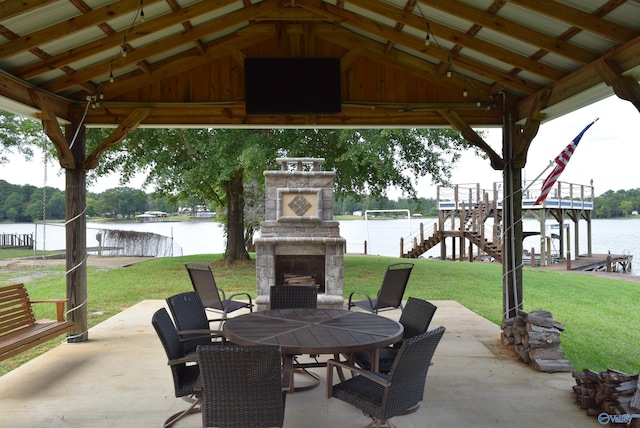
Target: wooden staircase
column 488, row 247
column 423, row 247
column 476, row 216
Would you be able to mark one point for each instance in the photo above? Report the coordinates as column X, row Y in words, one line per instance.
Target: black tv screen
column 292, row 85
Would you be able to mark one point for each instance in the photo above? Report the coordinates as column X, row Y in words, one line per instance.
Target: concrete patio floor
column 119, row 378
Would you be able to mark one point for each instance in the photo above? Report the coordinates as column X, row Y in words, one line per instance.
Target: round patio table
column 314, row 331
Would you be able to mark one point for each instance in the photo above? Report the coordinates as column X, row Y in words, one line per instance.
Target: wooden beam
column 512, row 29
column 68, row 27
column 144, row 52
column 626, row 56
column 54, row 132
column 120, row 133
column 472, row 137
column 410, row 63
column 522, row 141
column 625, row 87
column 189, row 60
column 23, row 93
column 417, row 44
column 459, row 38
column 114, row 40
column 233, row 113
column 11, row 8
column 579, row 19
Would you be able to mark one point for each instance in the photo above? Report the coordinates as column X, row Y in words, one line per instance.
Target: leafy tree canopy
column 19, row 135
column 214, row 164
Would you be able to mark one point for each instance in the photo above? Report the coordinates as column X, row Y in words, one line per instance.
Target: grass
column 600, row 314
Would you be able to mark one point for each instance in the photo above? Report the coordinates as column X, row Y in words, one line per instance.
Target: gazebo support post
column 76, row 230
column 512, row 230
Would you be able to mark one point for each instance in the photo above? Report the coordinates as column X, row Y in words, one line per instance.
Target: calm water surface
column 382, row 236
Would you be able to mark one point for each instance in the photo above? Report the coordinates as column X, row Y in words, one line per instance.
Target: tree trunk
column 236, row 249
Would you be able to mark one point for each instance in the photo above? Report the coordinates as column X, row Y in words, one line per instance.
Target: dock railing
column 562, row 195
column 16, row 240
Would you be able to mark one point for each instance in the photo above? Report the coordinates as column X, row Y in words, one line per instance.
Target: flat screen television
column 292, row 86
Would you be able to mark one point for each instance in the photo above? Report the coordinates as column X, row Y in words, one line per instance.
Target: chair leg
column 379, row 423
column 315, row 381
column 194, row 408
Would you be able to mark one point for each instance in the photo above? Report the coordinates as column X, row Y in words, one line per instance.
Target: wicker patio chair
column 415, row 319
column 191, row 321
column 293, row 296
column 213, row 298
column 296, row 296
column 183, row 368
column 390, row 293
column 383, row 396
column 241, row 386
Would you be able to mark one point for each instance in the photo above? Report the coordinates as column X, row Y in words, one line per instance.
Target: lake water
column 382, row 236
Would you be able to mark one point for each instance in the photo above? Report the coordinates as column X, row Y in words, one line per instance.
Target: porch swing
column 19, row 329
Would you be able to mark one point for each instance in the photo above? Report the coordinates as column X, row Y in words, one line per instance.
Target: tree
column 13, row 206
column 20, row 135
column 215, row 165
column 208, row 164
column 626, row 207
column 121, row 202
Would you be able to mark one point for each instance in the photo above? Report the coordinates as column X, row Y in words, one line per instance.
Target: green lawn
column 600, row 315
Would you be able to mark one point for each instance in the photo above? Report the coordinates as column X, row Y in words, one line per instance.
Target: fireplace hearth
column 299, row 241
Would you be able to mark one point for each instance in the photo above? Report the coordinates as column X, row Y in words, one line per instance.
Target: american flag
column 561, row 162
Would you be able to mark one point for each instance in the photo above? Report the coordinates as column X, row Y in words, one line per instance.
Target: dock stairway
column 477, row 215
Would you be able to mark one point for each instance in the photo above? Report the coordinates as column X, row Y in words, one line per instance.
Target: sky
column 608, row 154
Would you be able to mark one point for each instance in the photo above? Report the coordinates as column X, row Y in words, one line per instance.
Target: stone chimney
column 299, row 241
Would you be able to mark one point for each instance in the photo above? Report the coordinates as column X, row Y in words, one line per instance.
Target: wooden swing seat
column 19, row 329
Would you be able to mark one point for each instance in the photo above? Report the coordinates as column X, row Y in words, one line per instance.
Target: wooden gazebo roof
column 403, row 62
column 426, row 63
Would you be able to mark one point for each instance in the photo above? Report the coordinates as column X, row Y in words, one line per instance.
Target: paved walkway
column 119, row 378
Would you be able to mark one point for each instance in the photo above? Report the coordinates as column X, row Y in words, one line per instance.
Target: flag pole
column 551, row 162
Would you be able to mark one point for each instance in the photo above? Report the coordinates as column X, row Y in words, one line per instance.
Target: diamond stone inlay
column 299, row 205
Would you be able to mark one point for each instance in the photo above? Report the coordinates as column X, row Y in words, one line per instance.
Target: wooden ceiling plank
column 450, row 34
column 11, row 8
column 131, row 123
column 472, row 136
column 290, row 14
column 144, row 52
column 188, row 60
column 377, row 51
column 386, row 32
column 579, row 19
column 511, row 29
column 142, row 29
column 70, row 26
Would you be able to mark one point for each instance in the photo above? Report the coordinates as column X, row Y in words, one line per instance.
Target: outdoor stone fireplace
column 300, row 243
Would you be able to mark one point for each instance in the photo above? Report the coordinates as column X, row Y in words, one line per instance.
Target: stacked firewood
column 294, row 279
column 612, row 396
column 535, row 338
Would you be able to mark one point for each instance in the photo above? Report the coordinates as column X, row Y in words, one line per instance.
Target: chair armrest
column 59, row 306
column 201, row 334
column 242, row 294
column 375, row 377
column 190, row 358
column 362, row 293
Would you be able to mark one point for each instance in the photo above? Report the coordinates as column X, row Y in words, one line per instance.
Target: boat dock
column 619, row 263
